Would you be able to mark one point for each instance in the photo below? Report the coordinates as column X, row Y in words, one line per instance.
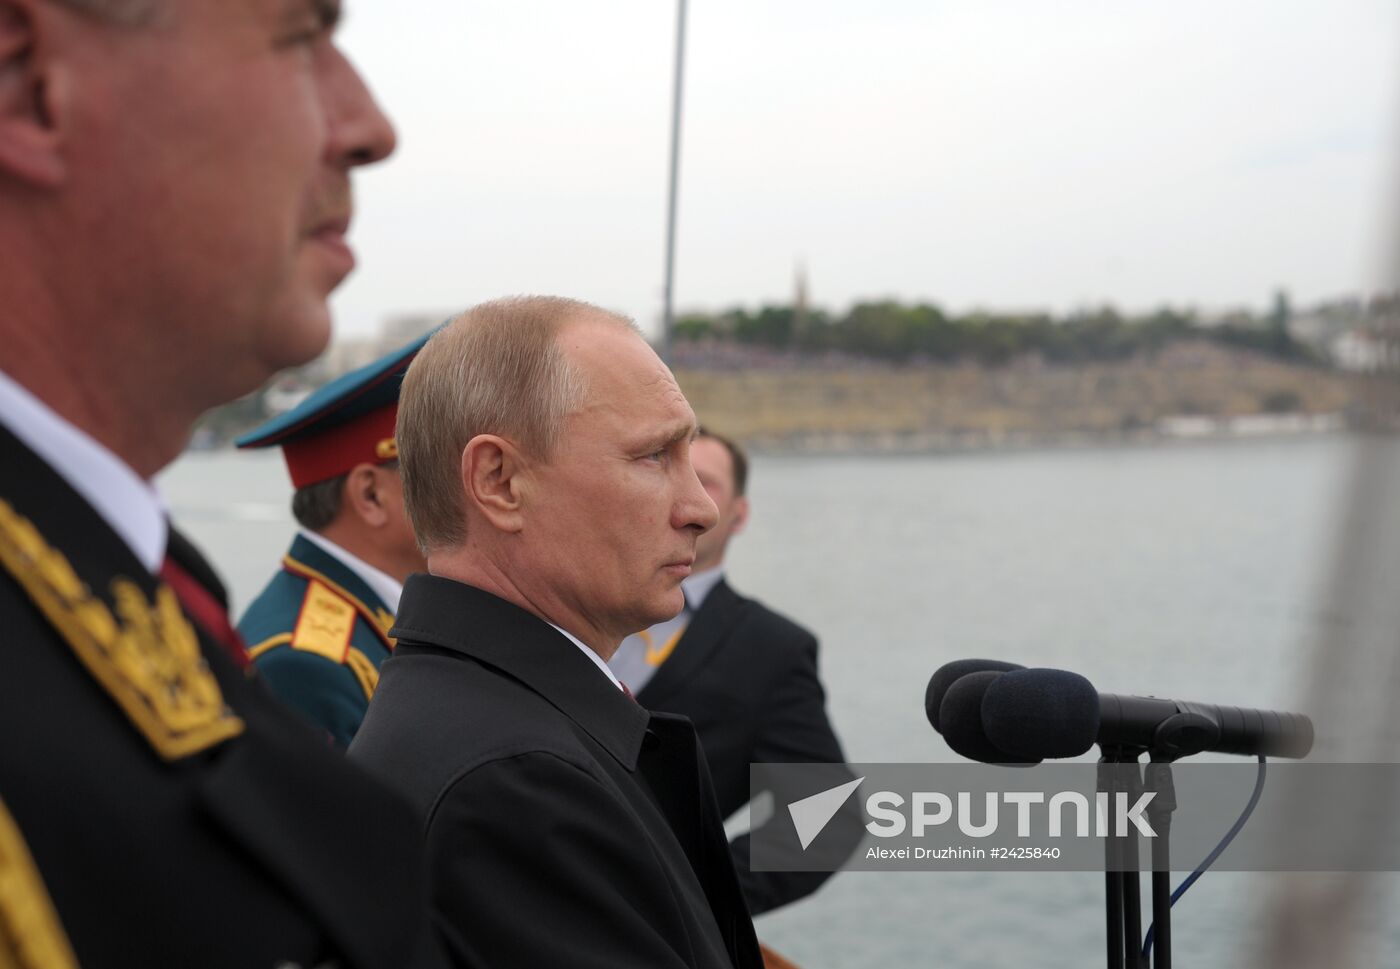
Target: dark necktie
column 205, row 610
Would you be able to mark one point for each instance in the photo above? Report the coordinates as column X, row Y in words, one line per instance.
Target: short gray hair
column 495, row 369
column 316, row 505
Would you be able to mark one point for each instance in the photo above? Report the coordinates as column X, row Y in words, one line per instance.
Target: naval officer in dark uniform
column 319, row 631
column 174, row 198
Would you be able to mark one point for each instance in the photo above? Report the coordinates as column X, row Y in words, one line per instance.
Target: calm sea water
column 1185, row 570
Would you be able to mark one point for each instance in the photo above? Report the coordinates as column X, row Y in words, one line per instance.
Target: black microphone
column 961, row 716
column 1053, row 713
column 948, row 674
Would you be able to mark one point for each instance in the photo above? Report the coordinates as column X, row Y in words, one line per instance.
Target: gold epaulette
column 31, row 936
column 380, row 619
column 325, row 624
column 356, row 661
column 146, row 656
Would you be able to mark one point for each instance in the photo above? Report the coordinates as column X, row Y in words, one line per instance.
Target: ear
column 741, row 515
column 364, row 495
column 30, row 145
column 491, row 476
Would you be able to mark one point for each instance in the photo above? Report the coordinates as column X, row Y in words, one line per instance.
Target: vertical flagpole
column 668, row 318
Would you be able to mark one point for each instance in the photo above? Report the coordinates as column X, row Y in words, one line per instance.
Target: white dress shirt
column 697, row 587
column 129, row 504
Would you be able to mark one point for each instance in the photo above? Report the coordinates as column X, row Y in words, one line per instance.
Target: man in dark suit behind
column 545, row 453
column 746, row 676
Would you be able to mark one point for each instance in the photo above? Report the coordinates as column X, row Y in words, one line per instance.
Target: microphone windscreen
column 1041, row 713
column 961, row 716
column 948, row 674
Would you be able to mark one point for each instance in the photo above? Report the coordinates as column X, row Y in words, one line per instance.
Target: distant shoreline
column 817, row 445
column 1187, row 393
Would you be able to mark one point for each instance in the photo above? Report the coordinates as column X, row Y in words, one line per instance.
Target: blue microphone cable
column 1215, row 852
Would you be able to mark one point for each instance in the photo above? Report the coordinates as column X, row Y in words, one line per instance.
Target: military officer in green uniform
column 319, row 630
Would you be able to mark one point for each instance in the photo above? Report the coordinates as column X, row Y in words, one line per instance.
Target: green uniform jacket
column 318, row 635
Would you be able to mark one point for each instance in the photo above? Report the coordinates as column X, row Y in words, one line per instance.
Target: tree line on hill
column 889, row 330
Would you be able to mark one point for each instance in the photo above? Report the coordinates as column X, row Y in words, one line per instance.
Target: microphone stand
column 1122, row 889
column 1159, row 814
column 1132, row 884
column 1188, row 732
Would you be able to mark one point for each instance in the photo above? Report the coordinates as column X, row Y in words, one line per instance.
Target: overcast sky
column 1000, row 154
